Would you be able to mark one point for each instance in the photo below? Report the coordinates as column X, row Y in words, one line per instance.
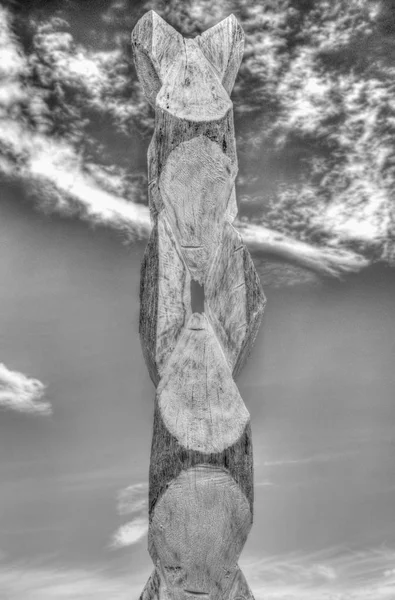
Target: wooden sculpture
column 201, row 472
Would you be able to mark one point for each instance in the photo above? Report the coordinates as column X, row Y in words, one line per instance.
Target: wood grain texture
column 223, row 45
column 198, row 530
column 170, row 131
column 192, row 89
column 235, row 299
column 232, row 208
column 169, row 457
column 156, row 45
column 226, row 294
column 255, row 304
column 164, row 297
column 201, row 470
column 149, row 284
column 156, row 588
column 174, row 297
column 240, row 589
column 196, row 184
column 198, row 399
column 152, row 590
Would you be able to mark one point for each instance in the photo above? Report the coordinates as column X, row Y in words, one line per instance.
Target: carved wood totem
column 201, row 471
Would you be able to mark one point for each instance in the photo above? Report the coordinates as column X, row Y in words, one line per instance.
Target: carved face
column 195, row 184
column 198, row 530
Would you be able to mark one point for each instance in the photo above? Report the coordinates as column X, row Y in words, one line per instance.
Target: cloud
column 13, row 63
column 132, row 500
column 317, row 458
column 131, row 533
column 24, row 581
column 48, row 143
column 323, row 259
column 329, row 574
column 51, row 166
column 21, row 393
column 79, row 193
column 62, row 185
column 264, row 483
column 320, row 112
column 100, row 78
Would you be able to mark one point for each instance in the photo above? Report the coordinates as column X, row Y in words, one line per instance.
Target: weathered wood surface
column 198, row 530
column 201, row 472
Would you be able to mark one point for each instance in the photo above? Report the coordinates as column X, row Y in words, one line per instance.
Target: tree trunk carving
column 201, row 472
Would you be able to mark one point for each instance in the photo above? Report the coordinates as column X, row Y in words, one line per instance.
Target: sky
column 76, row 401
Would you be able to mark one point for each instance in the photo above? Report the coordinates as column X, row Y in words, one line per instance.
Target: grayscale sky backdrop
column 315, row 120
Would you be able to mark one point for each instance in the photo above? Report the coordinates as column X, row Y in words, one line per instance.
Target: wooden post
column 201, row 471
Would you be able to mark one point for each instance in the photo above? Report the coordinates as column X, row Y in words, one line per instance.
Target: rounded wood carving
column 201, row 471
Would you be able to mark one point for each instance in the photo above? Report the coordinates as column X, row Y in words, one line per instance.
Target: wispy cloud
column 131, row 533
column 330, row 261
column 345, row 193
column 50, row 165
column 305, row 460
column 102, row 78
column 60, row 180
column 21, row 393
column 61, row 184
column 330, row 574
column 132, row 501
column 264, row 483
column 24, row 581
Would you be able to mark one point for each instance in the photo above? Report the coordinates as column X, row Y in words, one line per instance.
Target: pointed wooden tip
column 153, row 14
column 155, row 44
column 156, row 19
column 146, row 67
column 223, row 46
column 148, row 18
column 230, row 22
column 148, row 23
